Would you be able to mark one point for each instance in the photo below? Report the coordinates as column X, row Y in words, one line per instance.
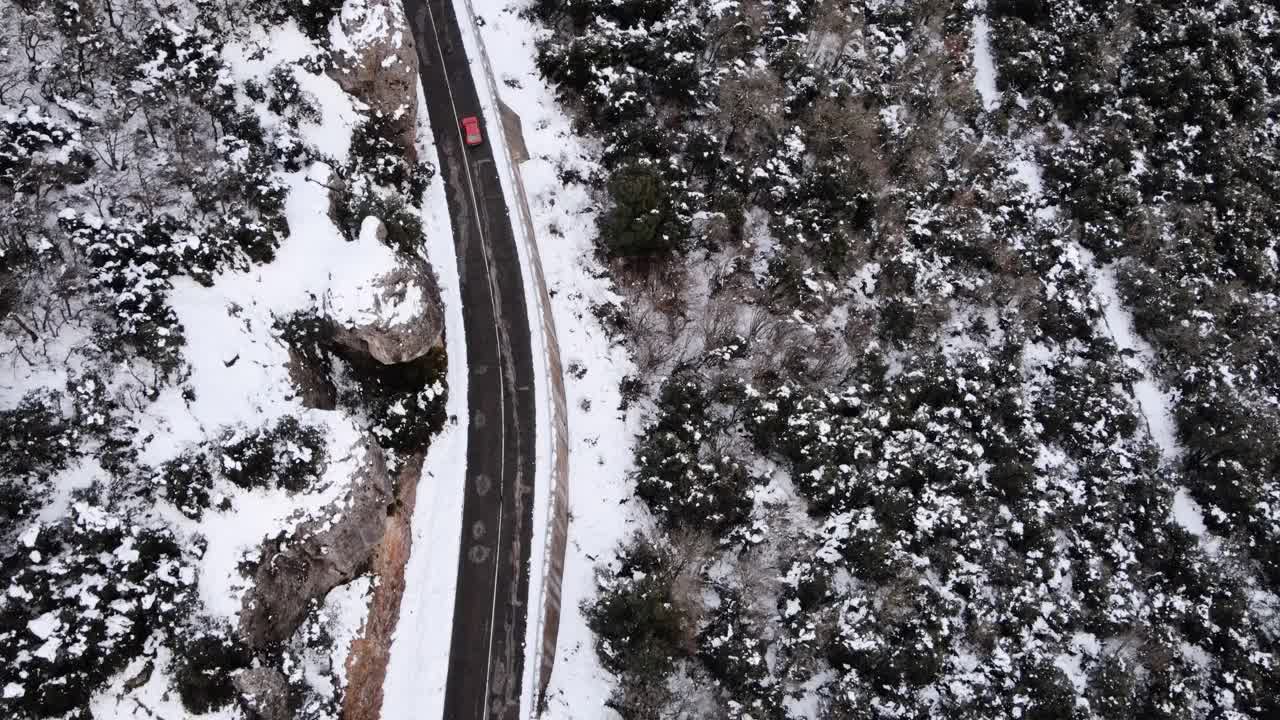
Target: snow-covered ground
column 600, row 437
column 419, row 661
column 230, row 343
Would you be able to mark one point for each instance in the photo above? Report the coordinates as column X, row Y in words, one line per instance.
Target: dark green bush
column 36, row 442
column 130, row 263
column 643, row 220
column 27, row 139
column 204, row 669
column 92, row 562
column 287, row 98
column 300, row 454
column 376, row 154
column 185, row 481
column 639, row 629
column 313, row 16
column 406, row 402
column 680, row 472
column 290, row 456
column 402, row 221
column 737, row 656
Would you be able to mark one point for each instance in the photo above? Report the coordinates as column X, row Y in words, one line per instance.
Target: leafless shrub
column 751, row 108
column 692, row 551
column 719, row 321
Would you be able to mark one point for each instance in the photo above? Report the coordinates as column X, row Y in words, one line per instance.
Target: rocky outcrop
column 328, row 549
column 371, row 650
column 375, row 60
column 264, row 693
column 403, row 320
column 312, row 385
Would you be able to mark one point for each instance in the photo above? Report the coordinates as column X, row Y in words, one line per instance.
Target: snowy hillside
column 223, row 351
column 954, row 326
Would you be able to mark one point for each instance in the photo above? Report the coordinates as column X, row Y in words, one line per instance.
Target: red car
column 471, row 130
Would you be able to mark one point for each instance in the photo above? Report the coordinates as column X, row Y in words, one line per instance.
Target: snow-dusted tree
column 97, row 591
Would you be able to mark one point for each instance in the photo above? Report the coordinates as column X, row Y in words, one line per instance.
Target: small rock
column 264, row 693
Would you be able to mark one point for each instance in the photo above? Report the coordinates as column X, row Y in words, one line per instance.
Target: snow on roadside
column 419, row 662
column 600, row 437
column 344, row 612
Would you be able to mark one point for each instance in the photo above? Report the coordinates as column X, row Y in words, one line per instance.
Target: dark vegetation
column 86, row 608
column 204, row 670
column 35, row 442
column 877, row 366
column 382, row 183
column 289, row 456
column 1177, row 180
column 404, row 404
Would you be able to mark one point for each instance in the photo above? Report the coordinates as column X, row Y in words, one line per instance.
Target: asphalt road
column 487, row 653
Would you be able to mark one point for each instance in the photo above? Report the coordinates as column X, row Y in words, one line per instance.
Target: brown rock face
column 264, row 693
column 371, row 651
column 314, row 388
column 320, row 554
column 377, row 62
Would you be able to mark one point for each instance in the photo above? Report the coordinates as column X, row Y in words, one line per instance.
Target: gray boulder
column 403, row 319
column 264, row 693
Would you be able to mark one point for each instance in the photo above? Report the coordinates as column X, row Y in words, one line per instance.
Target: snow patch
column 346, row 606
column 1156, row 403
column 984, row 65
column 1188, row 514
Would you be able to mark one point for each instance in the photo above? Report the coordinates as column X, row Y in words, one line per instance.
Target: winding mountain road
column 486, row 654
